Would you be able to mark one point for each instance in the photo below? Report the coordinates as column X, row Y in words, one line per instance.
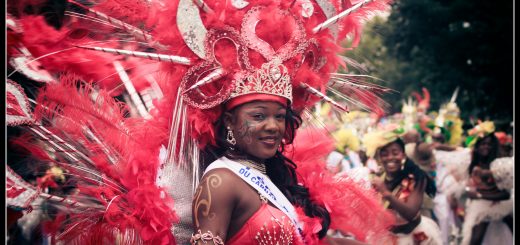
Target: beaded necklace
column 254, row 165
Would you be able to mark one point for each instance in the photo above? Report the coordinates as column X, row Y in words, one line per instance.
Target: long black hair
column 411, row 168
column 477, row 159
column 280, row 169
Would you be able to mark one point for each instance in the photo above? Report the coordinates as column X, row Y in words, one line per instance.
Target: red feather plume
column 353, row 208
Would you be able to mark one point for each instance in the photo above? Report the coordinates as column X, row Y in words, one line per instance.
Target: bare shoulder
column 221, row 176
column 214, row 201
column 223, row 172
column 219, row 183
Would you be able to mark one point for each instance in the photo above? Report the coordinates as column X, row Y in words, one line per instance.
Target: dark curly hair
column 477, row 159
column 280, row 169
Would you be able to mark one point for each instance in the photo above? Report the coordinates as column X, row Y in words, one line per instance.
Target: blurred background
column 441, row 45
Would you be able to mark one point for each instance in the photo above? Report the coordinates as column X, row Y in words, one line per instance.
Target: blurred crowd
column 472, row 170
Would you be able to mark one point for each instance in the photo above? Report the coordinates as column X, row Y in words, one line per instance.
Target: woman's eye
column 280, row 116
column 258, row 116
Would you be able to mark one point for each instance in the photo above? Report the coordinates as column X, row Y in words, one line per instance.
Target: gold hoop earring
column 230, row 138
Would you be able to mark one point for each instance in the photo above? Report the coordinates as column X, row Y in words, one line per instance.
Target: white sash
column 262, row 184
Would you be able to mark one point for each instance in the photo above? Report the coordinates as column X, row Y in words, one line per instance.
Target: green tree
column 441, row 45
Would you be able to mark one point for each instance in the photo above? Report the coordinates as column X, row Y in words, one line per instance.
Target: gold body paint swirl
column 213, row 181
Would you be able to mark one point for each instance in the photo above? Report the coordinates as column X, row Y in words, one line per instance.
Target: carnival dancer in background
column 489, row 208
column 402, row 185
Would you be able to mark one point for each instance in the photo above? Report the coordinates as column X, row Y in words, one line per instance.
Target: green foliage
column 441, row 45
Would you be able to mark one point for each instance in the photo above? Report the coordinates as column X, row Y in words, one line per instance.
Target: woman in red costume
column 252, row 136
column 250, row 192
column 230, row 81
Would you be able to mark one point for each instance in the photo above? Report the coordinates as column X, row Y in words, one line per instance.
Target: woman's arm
column 495, row 195
column 485, row 186
column 412, row 206
column 212, row 207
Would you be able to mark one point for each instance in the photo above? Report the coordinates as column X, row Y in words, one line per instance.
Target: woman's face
column 484, row 148
column 391, row 157
column 258, row 127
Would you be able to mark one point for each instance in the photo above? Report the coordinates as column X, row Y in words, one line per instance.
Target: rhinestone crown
column 272, row 78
